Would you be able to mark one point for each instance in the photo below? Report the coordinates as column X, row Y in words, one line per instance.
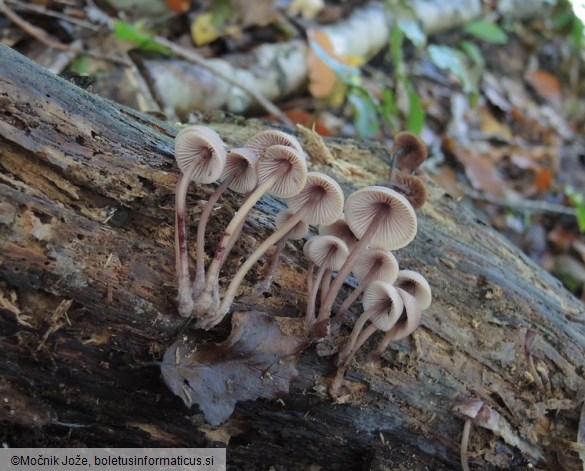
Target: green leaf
column 365, row 115
column 451, row 59
column 486, row 31
column 396, row 40
column 133, row 33
column 416, row 112
column 473, row 52
column 581, row 217
column 412, row 30
column 389, row 108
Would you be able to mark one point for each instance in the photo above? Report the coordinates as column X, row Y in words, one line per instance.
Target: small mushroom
column 297, row 232
column 261, row 141
column 328, row 253
column 201, row 156
column 411, row 186
column 483, row 415
column 379, row 217
column 282, row 172
column 408, row 152
column 340, row 229
column 407, row 323
column 319, row 202
column 414, row 283
column 382, row 307
column 373, row 265
column 239, row 174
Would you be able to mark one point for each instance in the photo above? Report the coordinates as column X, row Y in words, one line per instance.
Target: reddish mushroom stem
column 203, row 218
column 345, row 270
column 264, row 285
column 185, row 294
column 209, row 297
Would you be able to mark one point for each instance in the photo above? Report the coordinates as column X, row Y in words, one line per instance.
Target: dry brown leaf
column 257, row 360
column 481, row 172
column 545, row 84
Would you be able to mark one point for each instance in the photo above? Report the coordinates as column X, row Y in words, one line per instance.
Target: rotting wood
column 71, row 161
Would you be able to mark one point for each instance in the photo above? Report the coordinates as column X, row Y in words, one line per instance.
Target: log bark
column 87, row 304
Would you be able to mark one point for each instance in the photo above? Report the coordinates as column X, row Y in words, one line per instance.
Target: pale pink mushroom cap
column 241, row 166
column 383, row 301
column 328, row 251
column 321, row 199
column 339, row 229
column 271, row 137
column 201, row 144
column 377, row 204
column 299, row 231
column 383, row 263
column 417, row 285
column 294, row 178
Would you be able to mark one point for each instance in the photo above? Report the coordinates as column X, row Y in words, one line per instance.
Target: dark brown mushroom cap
column 328, row 251
column 411, row 186
column 321, row 199
column 271, row 137
column 298, row 231
column 241, row 166
column 384, row 304
column 381, row 262
column 340, row 229
column 392, row 212
column 415, row 284
column 410, row 151
column 273, row 160
column 202, row 145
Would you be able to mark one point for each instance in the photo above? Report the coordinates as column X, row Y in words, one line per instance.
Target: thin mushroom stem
column 262, row 248
column 464, row 444
column 228, row 239
column 337, row 319
column 274, row 263
column 310, row 313
column 203, row 218
column 346, row 355
column 393, row 160
column 310, row 278
column 185, row 295
column 325, row 283
column 345, row 270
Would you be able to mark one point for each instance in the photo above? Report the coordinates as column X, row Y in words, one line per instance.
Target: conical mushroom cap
column 203, row 145
column 384, row 304
column 392, row 212
column 241, row 164
column 339, row 229
column 271, row 137
column 328, row 251
column 292, row 180
column 415, row 284
column 381, row 262
column 298, row 231
column 321, row 199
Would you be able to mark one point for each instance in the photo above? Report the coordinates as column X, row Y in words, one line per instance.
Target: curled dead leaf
column 257, row 360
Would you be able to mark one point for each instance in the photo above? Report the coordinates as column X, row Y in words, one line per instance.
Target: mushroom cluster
column 356, row 235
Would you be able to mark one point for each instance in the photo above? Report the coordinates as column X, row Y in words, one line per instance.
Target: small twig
column 192, row 56
column 41, row 10
column 522, row 204
column 42, row 36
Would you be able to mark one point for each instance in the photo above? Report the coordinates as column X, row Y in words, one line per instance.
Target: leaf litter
column 256, row 361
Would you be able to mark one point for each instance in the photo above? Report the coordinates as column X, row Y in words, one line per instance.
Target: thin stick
column 42, row 36
column 192, row 56
column 41, row 10
column 523, row 205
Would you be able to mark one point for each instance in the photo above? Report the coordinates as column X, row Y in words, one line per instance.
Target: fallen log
column 87, row 308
